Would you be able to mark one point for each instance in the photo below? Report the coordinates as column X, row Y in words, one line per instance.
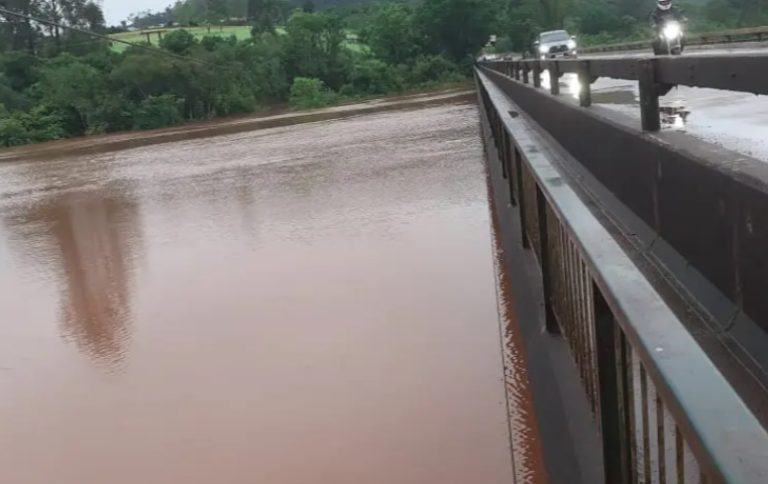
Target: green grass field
column 241, row 32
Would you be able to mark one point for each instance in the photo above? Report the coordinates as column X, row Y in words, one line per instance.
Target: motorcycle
column 670, row 39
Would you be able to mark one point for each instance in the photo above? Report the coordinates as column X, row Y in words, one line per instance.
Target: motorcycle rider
column 663, row 13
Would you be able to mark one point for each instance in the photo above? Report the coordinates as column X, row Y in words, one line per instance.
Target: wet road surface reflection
column 734, row 120
column 303, row 304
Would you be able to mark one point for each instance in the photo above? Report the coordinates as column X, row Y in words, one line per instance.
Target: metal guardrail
column 664, row 411
column 752, row 34
column 656, row 76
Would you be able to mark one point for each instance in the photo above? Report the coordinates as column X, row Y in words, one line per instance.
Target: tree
column 73, row 89
column 216, row 10
column 264, row 15
column 20, row 33
column 391, row 34
column 458, row 28
column 314, row 48
column 93, row 16
column 308, row 6
column 264, row 60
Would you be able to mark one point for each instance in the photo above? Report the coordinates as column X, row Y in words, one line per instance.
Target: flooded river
column 304, row 304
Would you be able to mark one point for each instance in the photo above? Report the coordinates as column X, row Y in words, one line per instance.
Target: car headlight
column 671, row 31
column 571, row 44
column 543, row 49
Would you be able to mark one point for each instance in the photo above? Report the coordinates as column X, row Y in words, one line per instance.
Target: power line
column 145, row 47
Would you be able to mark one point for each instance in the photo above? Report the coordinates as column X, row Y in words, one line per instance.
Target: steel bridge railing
column 664, row 411
column 656, row 76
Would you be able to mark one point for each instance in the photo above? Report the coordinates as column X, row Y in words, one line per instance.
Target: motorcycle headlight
column 571, row 44
column 543, row 49
column 671, row 31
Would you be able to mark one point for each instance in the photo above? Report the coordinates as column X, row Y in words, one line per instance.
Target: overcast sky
column 117, row 10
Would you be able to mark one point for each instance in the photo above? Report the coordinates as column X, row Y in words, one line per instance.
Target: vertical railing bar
column 504, row 151
column 584, row 328
column 561, row 277
column 660, row 439
column 646, row 424
column 631, row 410
column 591, row 338
column 521, row 200
column 511, row 171
column 546, row 274
column 578, row 340
column 680, row 456
column 574, row 311
column 625, row 433
column 571, row 297
column 587, row 322
column 610, row 418
column 563, row 303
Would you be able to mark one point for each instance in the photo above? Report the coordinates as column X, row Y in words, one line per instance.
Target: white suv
column 555, row 43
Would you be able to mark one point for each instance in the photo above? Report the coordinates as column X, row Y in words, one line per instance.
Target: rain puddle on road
column 302, row 304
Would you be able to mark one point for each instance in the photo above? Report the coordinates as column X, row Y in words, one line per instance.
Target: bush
column 114, row 113
column 373, row 77
column 179, row 42
column 21, row 128
column 157, row 112
column 433, row 69
column 13, row 132
column 310, row 93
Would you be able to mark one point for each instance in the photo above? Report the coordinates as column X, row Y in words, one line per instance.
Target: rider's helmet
column 664, row 4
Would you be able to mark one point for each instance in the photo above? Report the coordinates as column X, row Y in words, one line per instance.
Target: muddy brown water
column 303, row 304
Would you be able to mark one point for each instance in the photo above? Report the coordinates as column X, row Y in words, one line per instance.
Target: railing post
column 525, row 72
column 537, row 74
column 550, row 323
column 554, row 77
column 585, row 84
column 521, row 198
column 512, row 161
column 516, row 70
column 612, row 392
column 649, row 96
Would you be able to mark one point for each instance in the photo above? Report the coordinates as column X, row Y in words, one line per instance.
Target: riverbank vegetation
column 56, row 83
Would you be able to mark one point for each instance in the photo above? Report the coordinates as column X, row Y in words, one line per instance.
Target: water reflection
column 569, row 83
column 89, row 243
column 673, row 108
column 674, row 115
column 526, row 451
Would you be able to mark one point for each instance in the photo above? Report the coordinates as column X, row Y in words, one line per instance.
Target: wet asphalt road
column 736, row 121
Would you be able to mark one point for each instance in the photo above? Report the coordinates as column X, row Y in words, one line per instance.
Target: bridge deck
column 305, row 304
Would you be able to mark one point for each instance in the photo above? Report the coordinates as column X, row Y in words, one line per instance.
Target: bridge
column 650, row 252
column 376, row 294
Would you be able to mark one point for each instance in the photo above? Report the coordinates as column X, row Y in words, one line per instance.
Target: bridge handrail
column 742, row 73
column 704, row 38
column 625, row 339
